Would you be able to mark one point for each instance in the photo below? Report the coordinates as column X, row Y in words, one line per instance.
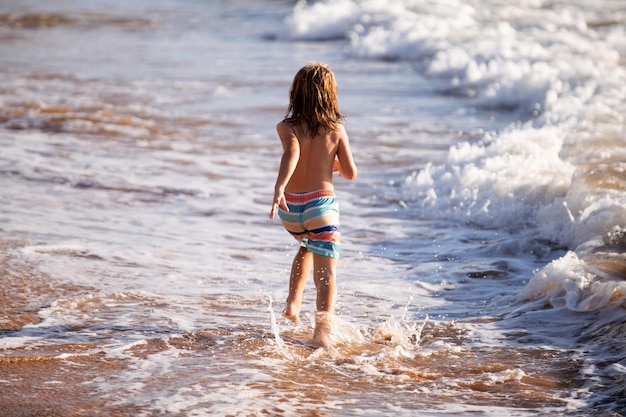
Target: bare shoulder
column 339, row 133
column 286, row 133
column 283, row 127
column 341, row 130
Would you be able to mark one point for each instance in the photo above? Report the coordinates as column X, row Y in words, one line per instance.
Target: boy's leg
column 324, row 271
column 300, row 268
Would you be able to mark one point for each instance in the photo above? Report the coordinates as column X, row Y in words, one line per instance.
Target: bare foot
column 322, row 332
column 291, row 312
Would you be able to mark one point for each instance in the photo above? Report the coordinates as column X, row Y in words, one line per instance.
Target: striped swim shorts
column 313, row 219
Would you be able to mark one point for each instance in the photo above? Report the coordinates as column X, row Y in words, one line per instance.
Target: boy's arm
column 345, row 161
column 288, row 163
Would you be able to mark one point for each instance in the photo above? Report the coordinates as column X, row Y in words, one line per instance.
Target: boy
column 315, row 145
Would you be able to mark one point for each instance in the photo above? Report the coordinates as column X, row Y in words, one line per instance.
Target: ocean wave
column 559, row 169
column 518, row 56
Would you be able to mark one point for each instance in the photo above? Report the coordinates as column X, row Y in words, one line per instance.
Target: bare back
column 316, row 157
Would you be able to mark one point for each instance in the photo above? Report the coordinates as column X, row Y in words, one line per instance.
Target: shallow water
column 482, row 267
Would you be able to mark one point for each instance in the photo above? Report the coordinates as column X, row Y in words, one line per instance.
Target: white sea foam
column 509, row 57
column 19, row 341
column 568, row 282
column 320, row 20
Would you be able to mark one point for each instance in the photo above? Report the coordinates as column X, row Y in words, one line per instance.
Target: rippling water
column 482, row 267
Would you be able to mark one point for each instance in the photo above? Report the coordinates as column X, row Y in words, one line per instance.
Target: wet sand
column 54, row 380
column 74, row 378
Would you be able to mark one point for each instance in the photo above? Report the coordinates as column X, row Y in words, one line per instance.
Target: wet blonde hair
column 313, row 99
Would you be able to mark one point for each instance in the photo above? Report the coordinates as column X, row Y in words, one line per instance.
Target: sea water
column 482, row 269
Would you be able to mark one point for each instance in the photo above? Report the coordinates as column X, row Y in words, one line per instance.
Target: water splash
column 275, row 328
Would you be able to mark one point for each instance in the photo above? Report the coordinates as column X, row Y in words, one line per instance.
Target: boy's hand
column 336, row 167
column 279, row 201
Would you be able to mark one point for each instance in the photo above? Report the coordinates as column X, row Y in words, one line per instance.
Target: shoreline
column 51, row 380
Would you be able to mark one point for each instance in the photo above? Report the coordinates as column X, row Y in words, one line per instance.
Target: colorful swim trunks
column 313, row 219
